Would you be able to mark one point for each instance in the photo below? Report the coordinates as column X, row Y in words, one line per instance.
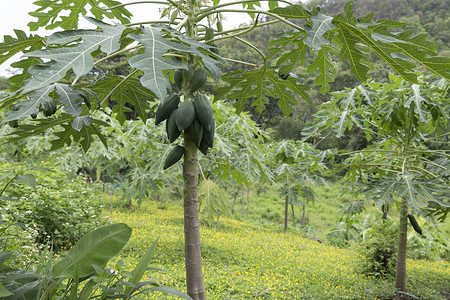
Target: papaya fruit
column 171, row 128
column 187, row 74
column 209, row 34
column 174, row 156
column 178, row 78
column 207, row 139
column 198, row 79
column 185, row 115
column 166, row 107
column 219, row 26
column 195, row 132
column 414, row 224
column 203, row 110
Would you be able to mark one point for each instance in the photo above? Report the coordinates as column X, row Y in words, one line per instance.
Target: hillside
column 245, row 261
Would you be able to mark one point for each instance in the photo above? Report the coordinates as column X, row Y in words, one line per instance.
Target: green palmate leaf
column 18, row 81
column 52, row 14
column 152, row 61
column 129, row 91
column 12, row 46
column 321, row 24
column 418, row 100
column 67, row 96
column 291, row 57
column 27, row 179
column 157, row 43
column 209, row 59
column 294, row 11
column 95, row 248
column 259, row 84
column 326, row 67
column 78, row 58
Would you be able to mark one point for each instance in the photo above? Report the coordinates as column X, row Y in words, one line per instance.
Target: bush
column 20, row 239
column 60, row 209
column 377, row 255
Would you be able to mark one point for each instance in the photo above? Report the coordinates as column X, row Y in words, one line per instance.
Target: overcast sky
column 14, row 15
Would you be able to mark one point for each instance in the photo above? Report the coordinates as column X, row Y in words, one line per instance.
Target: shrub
column 60, row 209
column 377, row 255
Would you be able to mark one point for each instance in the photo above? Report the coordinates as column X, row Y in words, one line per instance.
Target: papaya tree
column 403, row 163
column 170, row 60
column 299, row 166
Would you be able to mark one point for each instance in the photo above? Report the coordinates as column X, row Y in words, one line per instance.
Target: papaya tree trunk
column 286, row 210
column 293, row 214
column 242, row 200
column 304, row 213
column 400, row 274
column 193, row 257
column 248, row 200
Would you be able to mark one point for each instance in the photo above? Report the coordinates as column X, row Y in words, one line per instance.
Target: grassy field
column 243, row 260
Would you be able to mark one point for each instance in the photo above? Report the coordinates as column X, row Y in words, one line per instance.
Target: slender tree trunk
column 242, row 200
column 248, row 200
column 293, row 214
column 286, row 209
column 304, row 212
column 193, row 256
column 234, row 200
column 400, row 274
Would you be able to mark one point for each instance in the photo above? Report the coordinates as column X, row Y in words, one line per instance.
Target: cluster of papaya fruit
column 193, row 116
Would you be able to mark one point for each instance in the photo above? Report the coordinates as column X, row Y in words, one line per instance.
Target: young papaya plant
column 57, row 69
column 403, row 163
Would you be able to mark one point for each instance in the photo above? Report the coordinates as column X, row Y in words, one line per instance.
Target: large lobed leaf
column 52, row 14
column 259, row 84
column 78, row 58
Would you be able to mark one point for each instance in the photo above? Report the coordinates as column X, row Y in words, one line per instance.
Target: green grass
column 243, row 260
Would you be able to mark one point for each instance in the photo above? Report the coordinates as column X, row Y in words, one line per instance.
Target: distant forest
column 429, row 16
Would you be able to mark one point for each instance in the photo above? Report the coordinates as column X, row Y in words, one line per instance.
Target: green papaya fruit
column 198, row 79
column 215, row 48
column 171, row 128
column 207, row 139
column 174, row 156
column 209, row 34
column 187, row 74
column 195, row 132
column 414, row 224
column 178, row 78
column 166, row 107
column 204, row 111
column 219, row 26
column 185, row 115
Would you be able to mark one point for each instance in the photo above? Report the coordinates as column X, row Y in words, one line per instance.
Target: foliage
column 377, row 254
column 61, row 209
column 83, row 271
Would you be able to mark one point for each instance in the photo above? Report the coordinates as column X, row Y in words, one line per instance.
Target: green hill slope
column 245, row 261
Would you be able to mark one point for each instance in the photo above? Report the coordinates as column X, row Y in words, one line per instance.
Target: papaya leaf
column 52, row 14
column 315, row 33
column 67, row 96
column 95, row 248
column 4, row 292
column 129, row 91
column 154, row 64
column 291, row 57
column 12, row 46
column 326, row 67
column 78, row 58
column 294, row 11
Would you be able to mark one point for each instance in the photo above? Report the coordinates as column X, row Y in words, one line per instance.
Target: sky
column 14, row 15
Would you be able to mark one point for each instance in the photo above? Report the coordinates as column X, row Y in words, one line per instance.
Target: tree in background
column 402, row 121
column 171, row 60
